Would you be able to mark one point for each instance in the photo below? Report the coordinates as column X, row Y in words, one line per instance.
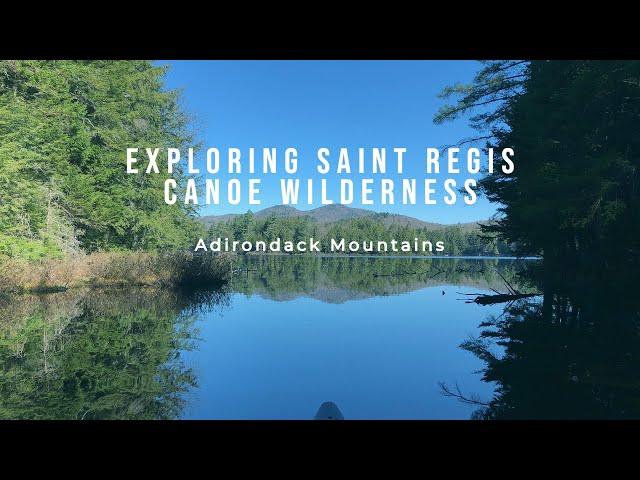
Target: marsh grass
column 113, row 269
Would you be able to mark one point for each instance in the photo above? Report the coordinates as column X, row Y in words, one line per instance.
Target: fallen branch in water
column 512, row 290
column 511, row 296
column 484, row 299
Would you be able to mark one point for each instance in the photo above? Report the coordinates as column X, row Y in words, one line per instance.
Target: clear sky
column 333, row 104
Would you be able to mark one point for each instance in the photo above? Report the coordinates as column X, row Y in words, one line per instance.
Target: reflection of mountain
column 340, row 279
column 335, row 213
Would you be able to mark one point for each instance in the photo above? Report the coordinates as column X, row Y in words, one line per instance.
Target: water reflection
column 340, row 279
column 375, row 330
column 575, row 354
column 98, row 354
column 378, row 337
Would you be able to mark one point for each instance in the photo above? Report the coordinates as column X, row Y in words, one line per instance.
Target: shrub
column 113, row 269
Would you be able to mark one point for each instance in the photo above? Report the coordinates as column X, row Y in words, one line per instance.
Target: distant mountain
column 335, row 213
column 279, row 211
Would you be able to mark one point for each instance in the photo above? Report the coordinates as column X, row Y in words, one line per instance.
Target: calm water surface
column 381, row 338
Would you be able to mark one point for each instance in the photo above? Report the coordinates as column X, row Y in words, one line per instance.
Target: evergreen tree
column 574, row 194
column 64, row 130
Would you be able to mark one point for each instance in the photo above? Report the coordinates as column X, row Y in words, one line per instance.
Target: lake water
column 380, row 338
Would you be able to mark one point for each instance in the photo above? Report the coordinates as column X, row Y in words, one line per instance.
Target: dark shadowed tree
column 573, row 126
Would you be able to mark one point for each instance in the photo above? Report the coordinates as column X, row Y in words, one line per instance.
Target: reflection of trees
column 337, row 279
column 96, row 355
column 569, row 356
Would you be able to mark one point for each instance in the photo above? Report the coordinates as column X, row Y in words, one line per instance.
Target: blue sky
column 333, row 104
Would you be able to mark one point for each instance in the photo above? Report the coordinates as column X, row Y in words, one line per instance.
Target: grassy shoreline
column 113, row 269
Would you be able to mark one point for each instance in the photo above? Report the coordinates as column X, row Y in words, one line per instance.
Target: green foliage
column 26, row 248
column 488, row 95
column 64, row 130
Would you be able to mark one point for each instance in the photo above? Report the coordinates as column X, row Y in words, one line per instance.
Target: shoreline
column 157, row 270
column 390, row 256
column 113, row 270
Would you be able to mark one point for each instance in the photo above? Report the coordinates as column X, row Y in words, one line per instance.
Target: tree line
column 458, row 240
column 575, row 193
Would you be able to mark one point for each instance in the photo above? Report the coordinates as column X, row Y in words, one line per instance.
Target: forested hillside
column 64, row 128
